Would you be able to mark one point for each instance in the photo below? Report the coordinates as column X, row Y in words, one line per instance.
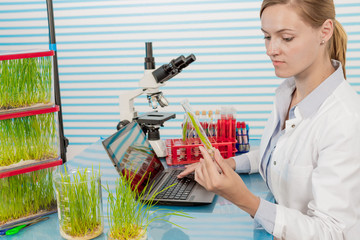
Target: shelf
column 29, row 167
column 21, row 55
column 42, row 85
column 27, row 218
column 28, row 111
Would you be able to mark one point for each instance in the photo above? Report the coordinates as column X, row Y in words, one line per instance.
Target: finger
column 189, row 169
column 225, row 168
column 209, row 163
column 204, row 152
column 206, row 178
column 199, row 174
column 191, row 165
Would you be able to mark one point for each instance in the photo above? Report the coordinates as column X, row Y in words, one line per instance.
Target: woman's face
column 292, row 45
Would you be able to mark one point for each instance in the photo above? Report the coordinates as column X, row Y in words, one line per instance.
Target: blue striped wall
column 101, row 52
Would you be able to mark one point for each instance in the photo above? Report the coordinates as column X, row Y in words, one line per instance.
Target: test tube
column 217, row 124
column 185, row 126
column 233, row 123
column 230, row 123
column 243, row 135
column 196, row 140
column 239, row 137
column 247, row 146
column 203, row 122
column 223, row 117
column 197, row 126
column 211, row 127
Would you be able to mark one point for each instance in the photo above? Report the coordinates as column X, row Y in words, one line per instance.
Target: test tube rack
column 180, row 152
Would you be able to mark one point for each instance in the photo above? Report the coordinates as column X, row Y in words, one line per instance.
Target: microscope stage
column 155, row 118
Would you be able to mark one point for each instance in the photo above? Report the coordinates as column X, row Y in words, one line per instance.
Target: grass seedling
column 26, row 194
column 24, row 82
column 32, row 137
column 128, row 217
column 79, row 201
column 185, row 127
column 197, row 126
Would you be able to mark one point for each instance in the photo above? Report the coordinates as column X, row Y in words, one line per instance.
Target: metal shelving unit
column 64, row 142
column 36, row 110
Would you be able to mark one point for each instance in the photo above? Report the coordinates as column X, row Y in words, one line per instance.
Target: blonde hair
column 315, row 13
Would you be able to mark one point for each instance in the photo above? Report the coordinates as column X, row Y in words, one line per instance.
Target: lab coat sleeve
column 334, row 211
column 242, row 164
column 265, row 215
column 254, row 158
column 247, row 163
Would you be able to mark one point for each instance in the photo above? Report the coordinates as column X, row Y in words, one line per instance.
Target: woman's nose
column 272, row 48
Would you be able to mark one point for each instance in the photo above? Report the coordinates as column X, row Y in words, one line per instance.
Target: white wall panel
column 101, row 52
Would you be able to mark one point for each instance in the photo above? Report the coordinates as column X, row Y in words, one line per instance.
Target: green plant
column 24, row 82
column 197, row 126
column 185, row 128
column 128, row 216
column 26, row 194
column 79, row 202
column 32, row 137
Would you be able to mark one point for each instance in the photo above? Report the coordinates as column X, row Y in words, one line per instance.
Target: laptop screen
column 132, row 155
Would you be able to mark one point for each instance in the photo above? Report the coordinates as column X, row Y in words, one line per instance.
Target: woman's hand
column 226, row 182
column 191, row 168
column 188, row 169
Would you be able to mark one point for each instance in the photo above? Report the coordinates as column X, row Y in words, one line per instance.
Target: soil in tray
column 93, row 234
column 41, row 213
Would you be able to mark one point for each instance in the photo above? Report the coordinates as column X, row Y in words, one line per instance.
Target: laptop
column 131, row 152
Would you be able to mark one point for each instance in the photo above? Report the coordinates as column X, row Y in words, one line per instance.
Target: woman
column 309, row 154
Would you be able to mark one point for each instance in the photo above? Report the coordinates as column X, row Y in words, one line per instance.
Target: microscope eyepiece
column 167, row 71
column 178, row 62
column 149, row 62
column 189, row 59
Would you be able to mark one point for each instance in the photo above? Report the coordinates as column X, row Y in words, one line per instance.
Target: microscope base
column 159, row 147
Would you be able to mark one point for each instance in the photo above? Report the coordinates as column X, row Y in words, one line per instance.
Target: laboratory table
column 220, row 220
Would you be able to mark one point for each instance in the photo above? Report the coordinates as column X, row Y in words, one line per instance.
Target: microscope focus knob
column 153, row 134
column 122, row 124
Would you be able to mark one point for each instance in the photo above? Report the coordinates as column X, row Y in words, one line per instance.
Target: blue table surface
column 219, row 220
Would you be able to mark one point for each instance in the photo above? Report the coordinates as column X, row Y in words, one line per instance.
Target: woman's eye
column 288, row 39
column 267, row 37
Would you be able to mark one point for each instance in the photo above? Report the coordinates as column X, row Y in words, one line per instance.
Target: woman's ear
column 327, row 30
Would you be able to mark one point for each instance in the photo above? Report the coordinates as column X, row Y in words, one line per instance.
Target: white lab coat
column 315, row 170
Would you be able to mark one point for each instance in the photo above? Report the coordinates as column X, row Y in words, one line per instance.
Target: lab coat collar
column 292, row 123
column 312, row 102
column 283, row 98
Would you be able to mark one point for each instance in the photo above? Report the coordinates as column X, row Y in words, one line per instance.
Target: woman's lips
column 277, row 63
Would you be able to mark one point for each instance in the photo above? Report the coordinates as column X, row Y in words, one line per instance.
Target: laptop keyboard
column 180, row 191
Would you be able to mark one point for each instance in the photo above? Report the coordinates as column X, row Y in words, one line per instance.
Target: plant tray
column 27, row 78
column 28, row 111
column 28, row 166
column 28, row 140
column 42, row 213
column 27, row 196
column 29, row 54
column 181, row 153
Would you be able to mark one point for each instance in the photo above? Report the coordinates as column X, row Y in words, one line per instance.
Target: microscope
column 149, row 84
